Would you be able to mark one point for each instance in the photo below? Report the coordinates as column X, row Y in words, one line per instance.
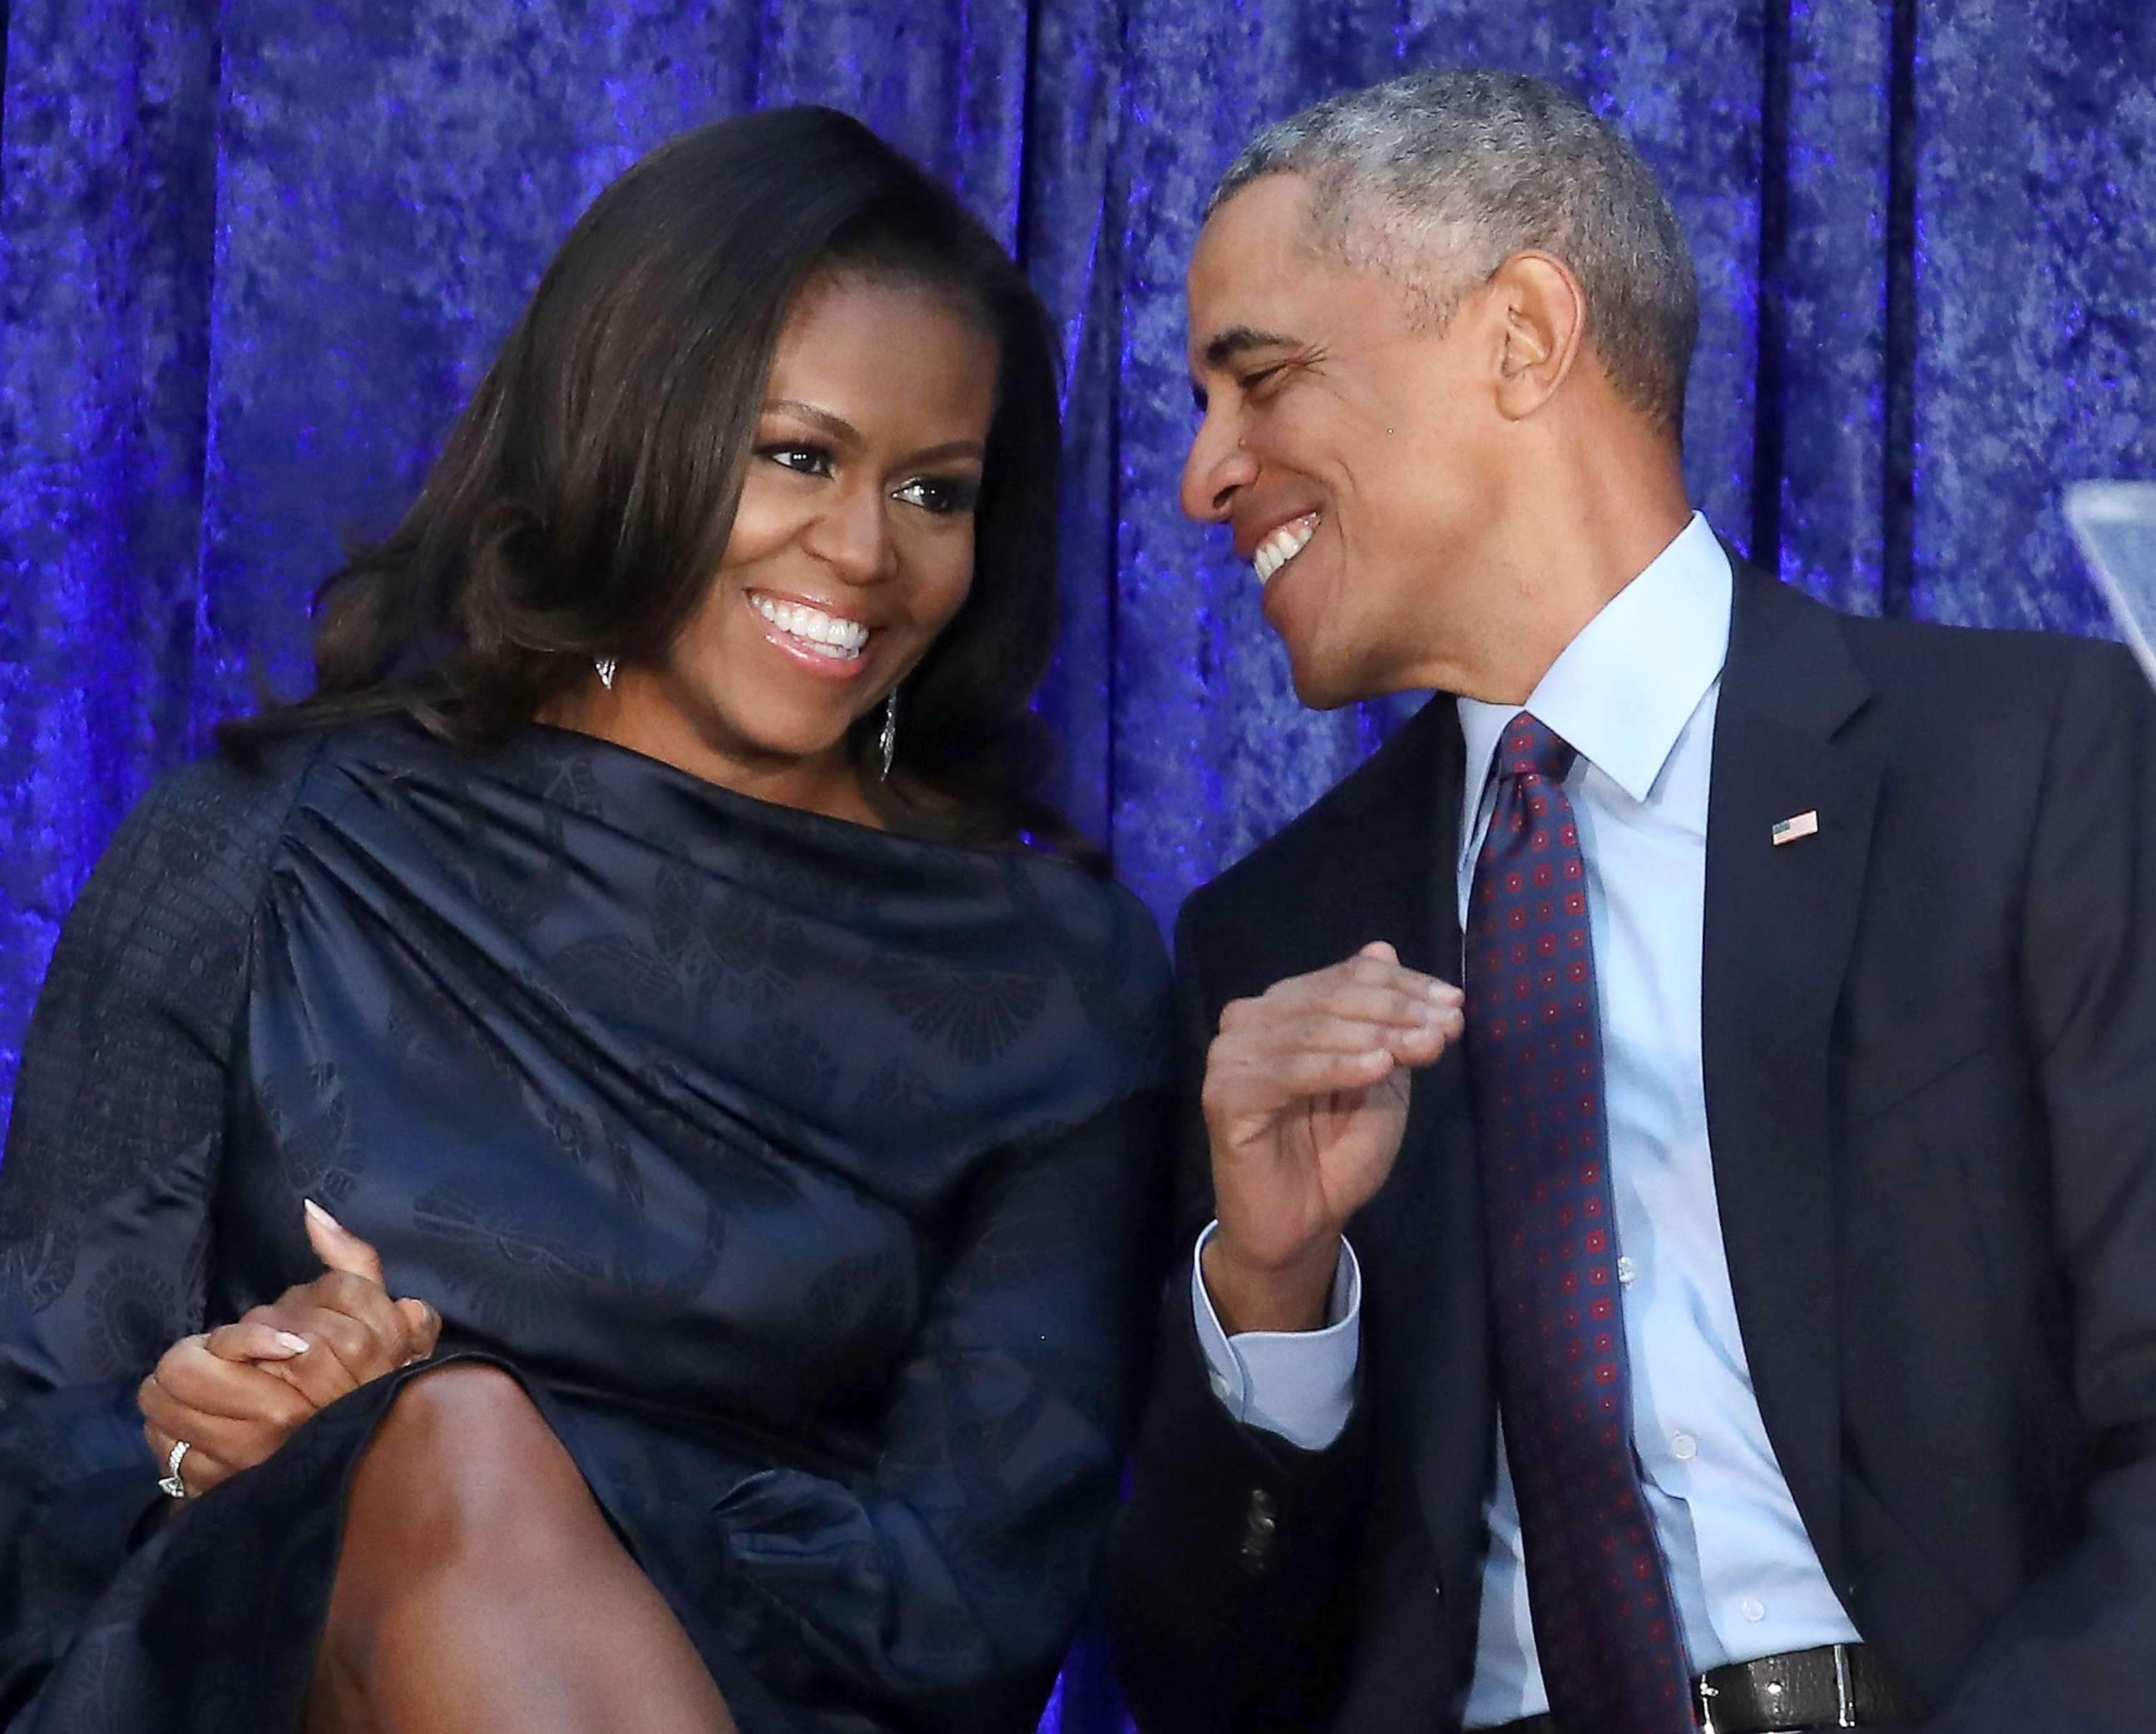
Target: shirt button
column 1752, row 1609
column 1626, row 1270
column 1685, row 1446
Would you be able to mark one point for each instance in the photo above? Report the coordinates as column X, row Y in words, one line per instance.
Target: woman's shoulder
column 229, row 806
column 193, row 856
column 153, row 951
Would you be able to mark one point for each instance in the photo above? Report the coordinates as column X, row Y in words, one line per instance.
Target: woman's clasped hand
column 234, row 1394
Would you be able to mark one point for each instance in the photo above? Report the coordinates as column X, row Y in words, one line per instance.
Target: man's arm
column 1227, row 1566
column 2073, row 1652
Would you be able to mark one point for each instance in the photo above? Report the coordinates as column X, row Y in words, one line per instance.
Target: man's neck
column 1594, row 524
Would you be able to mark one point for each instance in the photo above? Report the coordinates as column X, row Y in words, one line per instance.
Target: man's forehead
column 1262, row 221
column 1244, row 268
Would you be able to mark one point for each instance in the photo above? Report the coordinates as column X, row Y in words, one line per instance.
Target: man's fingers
column 1365, row 1001
column 1378, row 965
column 1261, row 1071
column 1264, row 1043
column 338, row 1247
column 1362, row 985
column 1421, row 1046
column 1323, row 1034
column 1240, row 1091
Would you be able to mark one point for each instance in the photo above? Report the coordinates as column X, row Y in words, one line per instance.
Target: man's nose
column 1217, row 466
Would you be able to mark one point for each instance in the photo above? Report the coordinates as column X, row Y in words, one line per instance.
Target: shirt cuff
column 1299, row 1384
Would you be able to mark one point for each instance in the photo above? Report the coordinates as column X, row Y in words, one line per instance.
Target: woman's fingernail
column 293, row 1341
column 1445, row 993
column 321, row 1215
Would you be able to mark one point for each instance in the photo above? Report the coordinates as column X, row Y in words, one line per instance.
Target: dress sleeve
column 941, row 1593
column 105, row 1191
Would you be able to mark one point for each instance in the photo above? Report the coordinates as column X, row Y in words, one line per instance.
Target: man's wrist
column 1292, row 1295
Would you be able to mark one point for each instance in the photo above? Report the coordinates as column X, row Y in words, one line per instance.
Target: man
column 1742, row 1314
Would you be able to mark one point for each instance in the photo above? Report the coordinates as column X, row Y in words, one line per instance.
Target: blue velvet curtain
column 252, row 256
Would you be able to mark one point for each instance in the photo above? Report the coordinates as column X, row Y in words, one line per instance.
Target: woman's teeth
column 841, row 640
column 1282, row 546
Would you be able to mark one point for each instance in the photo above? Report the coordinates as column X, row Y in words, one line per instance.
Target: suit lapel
column 1780, row 919
column 1420, row 1239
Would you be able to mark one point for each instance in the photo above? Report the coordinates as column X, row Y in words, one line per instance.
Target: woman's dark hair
column 585, row 497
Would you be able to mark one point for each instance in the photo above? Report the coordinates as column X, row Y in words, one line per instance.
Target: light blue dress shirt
column 1635, row 694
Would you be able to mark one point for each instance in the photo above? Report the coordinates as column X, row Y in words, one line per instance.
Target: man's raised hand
column 1306, row 1098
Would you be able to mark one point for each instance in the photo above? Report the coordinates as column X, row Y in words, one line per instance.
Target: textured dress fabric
column 806, row 1175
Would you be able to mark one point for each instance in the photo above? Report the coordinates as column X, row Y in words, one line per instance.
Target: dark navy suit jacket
column 1930, row 1042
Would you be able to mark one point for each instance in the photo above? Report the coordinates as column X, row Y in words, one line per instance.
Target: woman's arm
column 942, row 1593
column 105, row 1192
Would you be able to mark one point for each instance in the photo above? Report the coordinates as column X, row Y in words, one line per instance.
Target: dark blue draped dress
column 810, row 1176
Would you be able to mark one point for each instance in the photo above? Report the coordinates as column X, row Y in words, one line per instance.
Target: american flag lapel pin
column 1788, row 830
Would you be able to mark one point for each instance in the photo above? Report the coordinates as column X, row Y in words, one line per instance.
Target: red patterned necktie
column 1605, row 1629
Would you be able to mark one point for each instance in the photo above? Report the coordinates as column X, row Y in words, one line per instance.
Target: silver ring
column 172, row 1485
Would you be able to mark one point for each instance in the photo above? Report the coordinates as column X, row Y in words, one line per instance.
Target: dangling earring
column 606, row 665
column 887, row 739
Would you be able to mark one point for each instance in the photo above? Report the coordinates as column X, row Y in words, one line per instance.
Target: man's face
column 1353, row 456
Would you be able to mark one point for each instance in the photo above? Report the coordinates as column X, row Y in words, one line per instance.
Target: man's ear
column 1542, row 317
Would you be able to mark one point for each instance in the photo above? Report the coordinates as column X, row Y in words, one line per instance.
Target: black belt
column 1839, row 1686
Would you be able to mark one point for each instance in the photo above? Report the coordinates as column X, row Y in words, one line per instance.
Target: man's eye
column 802, row 459
column 941, row 496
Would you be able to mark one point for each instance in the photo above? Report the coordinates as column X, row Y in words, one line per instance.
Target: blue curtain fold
column 253, row 257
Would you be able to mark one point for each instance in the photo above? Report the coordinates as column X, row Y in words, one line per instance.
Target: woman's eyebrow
column 837, row 426
column 846, row 434
column 972, row 449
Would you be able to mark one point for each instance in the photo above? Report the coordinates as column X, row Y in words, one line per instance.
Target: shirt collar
column 1621, row 691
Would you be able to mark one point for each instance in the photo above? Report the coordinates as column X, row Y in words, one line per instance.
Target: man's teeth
column 827, row 635
column 1282, row 546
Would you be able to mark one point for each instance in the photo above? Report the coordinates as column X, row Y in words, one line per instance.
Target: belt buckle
column 1844, row 1690
column 1706, row 1695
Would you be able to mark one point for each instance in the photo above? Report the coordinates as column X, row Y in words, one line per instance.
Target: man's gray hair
column 1439, row 178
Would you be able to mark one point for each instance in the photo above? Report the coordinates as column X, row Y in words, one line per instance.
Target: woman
column 647, row 944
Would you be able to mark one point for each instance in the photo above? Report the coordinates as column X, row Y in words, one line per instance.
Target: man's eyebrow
column 1239, row 341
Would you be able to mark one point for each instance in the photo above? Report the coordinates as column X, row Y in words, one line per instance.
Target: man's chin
column 1321, row 686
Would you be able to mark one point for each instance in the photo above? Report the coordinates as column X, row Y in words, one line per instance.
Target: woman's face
column 853, row 548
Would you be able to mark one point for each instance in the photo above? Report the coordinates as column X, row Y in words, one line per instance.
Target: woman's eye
column 802, row 459
column 1253, row 383
column 942, row 497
